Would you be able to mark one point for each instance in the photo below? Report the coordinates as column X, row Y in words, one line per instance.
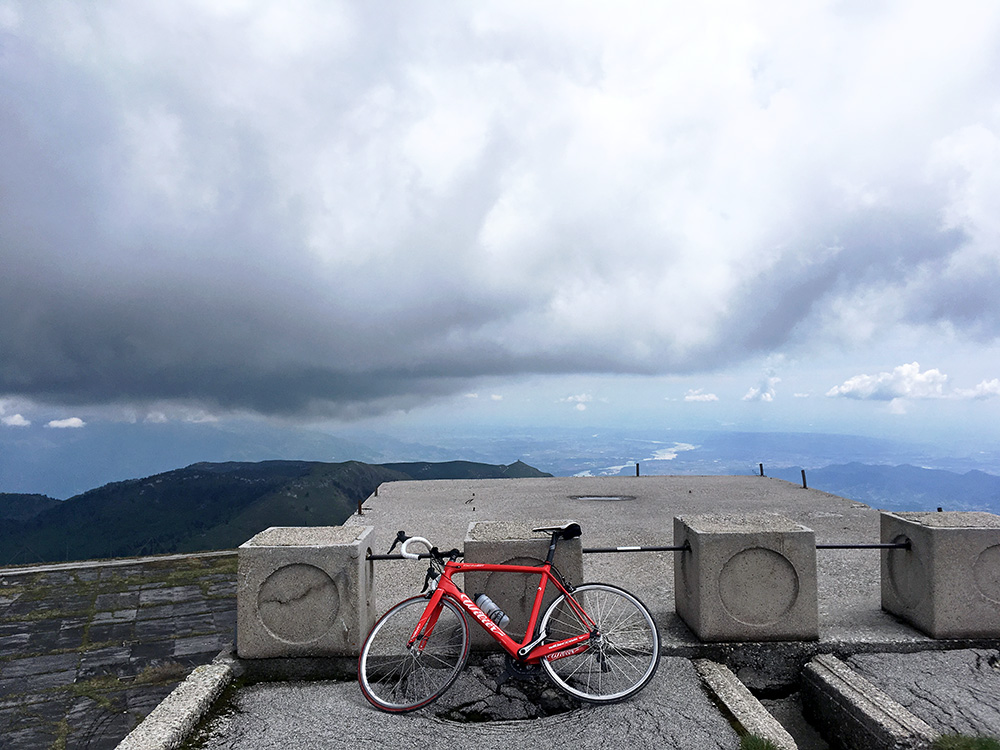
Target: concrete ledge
column 741, row 704
column 169, row 724
column 848, row 707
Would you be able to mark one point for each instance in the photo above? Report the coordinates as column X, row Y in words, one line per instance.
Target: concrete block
column 513, row 543
column 747, row 577
column 304, row 592
column 948, row 583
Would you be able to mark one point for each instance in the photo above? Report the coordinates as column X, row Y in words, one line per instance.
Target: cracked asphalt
column 956, row 692
column 672, row 712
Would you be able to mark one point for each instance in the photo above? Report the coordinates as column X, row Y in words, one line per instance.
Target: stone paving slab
column 82, row 660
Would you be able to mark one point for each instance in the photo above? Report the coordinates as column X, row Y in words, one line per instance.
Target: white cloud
column 69, row 423
column 985, row 389
column 699, row 395
column 764, row 391
column 905, row 381
column 199, row 416
column 15, row 420
column 496, row 397
column 579, row 401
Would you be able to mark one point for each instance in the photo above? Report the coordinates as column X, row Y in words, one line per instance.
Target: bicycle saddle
column 566, row 531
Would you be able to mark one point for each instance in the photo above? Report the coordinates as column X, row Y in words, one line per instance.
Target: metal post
column 761, row 469
column 804, row 480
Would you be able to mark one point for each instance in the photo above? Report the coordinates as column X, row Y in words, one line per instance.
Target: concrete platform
column 679, row 708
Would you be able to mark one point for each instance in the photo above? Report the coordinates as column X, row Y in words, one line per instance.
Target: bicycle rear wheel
column 398, row 679
column 623, row 653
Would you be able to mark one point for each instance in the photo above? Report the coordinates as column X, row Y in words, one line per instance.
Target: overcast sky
column 320, row 210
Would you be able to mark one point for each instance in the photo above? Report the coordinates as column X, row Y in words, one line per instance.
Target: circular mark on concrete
column 298, row 603
column 758, row 586
column 907, row 575
column 987, row 573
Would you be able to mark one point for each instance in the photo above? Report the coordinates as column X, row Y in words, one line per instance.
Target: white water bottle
column 492, row 610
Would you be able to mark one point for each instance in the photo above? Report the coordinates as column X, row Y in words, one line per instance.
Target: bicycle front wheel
column 398, row 679
column 623, row 651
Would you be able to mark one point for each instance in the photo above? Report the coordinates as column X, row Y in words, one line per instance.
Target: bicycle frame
column 530, row 650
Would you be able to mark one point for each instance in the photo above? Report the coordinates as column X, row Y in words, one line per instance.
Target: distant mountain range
column 903, row 487
column 62, row 463
column 206, row 506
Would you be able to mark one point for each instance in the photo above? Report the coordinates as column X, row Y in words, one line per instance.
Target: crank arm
column 525, row 650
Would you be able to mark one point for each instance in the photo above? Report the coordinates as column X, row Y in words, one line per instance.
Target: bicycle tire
column 397, row 679
column 626, row 653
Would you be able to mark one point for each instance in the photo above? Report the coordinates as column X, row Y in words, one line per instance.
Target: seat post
column 552, row 547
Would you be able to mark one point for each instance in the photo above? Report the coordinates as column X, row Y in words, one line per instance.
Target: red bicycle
column 596, row 642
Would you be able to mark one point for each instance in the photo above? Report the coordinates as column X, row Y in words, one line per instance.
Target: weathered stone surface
column 948, row 583
column 955, row 692
column 76, row 672
column 855, row 713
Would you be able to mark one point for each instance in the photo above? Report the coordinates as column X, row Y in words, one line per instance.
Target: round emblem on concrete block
column 298, row 603
column 758, row 586
column 987, row 573
column 907, row 575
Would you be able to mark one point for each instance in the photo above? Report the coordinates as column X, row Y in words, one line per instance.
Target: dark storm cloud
column 319, row 208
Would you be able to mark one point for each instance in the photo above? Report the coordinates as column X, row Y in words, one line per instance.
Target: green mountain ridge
column 205, row 506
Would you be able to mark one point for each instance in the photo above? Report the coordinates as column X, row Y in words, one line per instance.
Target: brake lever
column 432, row 574
column 400, row 538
